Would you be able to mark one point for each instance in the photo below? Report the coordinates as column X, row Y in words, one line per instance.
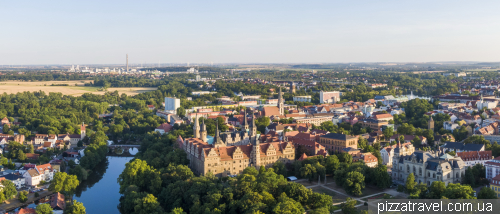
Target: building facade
column 337, row 142
column 329, row 96
column 225, row 157
column 172, row 104
column 427, row 167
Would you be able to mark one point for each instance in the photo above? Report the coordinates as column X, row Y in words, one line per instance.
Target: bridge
column 122, row 149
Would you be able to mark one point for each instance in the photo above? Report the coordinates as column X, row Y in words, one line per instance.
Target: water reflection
column 133, row 151
column 95, row 176
column 100, row 193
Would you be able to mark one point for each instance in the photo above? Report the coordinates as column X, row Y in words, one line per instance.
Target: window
column 448, row 175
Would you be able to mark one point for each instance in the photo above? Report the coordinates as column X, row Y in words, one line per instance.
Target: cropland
column 73, row 88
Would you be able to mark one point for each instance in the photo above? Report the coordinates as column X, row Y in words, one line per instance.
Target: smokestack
column 127, row 63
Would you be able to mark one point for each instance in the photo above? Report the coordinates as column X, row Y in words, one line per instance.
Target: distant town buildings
column 302, row 98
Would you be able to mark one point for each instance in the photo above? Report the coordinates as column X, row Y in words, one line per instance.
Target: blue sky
column 101, row 32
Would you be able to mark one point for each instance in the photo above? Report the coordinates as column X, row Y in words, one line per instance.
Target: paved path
column 360, row 199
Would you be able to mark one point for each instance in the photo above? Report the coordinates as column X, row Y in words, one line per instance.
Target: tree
column 44, row 209
column 406, row 129
column 382, row 178
column 354, row 183
column 63, row 182
column 181, row 111
column 20, row 155
column 287, row 205
column 140, row 174
column 362, row 142
column 436, row 190
column 458, row 191
column 147, row 205
column 9, row 189
column 332, row 164
column 410, row 183
column 417, row 143
column 22, row 196
column 486, row 193
column 280, row 168
column 309, row 172
column 75, row 208
column 178, row 210
column 346, row 157
column 30, row 148
column 348, row 207
column 388, row 132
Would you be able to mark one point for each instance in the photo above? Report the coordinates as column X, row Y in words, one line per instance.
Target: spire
column 245, row 122
column 203, row 126
column 253, row 120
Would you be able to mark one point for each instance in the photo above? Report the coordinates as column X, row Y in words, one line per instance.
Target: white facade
column 172, row 104
column 329, row 96
column 492, row 168
column 302, row 98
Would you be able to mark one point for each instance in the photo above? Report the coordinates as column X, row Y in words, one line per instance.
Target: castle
column 231, row 152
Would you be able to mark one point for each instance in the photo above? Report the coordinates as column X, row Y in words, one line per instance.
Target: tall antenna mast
column 127, row 64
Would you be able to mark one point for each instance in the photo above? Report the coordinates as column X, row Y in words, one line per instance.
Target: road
column 14, row 203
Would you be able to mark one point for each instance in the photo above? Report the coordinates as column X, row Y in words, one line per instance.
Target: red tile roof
column 271, row 111
column 26, row 211
column 475, row 155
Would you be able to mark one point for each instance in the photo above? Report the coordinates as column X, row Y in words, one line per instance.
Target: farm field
column 74, row 88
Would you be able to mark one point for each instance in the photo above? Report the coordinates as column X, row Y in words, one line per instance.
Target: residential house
column 57, row 202
column 164, row 128
column 32, row 177
column 450, row 126
column 26, row 211
column 17, row 179
column 368, row 158
column 473, row 158
column 495, row 185
column 336, row 142
column 492, row 168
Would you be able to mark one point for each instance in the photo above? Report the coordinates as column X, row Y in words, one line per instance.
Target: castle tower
column 255, row 154
column 196, row 128
column 245, row 122
column 83, row 133
column 281, row 105
column 203, row 131
column 431, row 124
column 217, row 140
column 253, row 131
column 292, row 88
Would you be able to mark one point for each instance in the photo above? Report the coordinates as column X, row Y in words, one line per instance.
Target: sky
column 103, row 32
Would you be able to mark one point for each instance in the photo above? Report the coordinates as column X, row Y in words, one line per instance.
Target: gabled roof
column 33, row 173
column 26, row 211
column 57, row 201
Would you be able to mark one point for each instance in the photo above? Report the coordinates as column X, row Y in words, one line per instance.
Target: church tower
column 281, row 105
column 203, row 131
column 431, row 124
column 83, row 133
column 196, row 128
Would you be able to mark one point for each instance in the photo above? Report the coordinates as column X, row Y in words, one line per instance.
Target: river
column 100, row 192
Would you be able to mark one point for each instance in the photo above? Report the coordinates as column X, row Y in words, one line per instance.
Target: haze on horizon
column 102, row 32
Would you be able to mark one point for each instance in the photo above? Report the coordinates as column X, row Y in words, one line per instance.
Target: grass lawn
column 337, row 207
column 370, row 191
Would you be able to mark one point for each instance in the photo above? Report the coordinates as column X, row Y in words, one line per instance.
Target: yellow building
column 495, row 185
